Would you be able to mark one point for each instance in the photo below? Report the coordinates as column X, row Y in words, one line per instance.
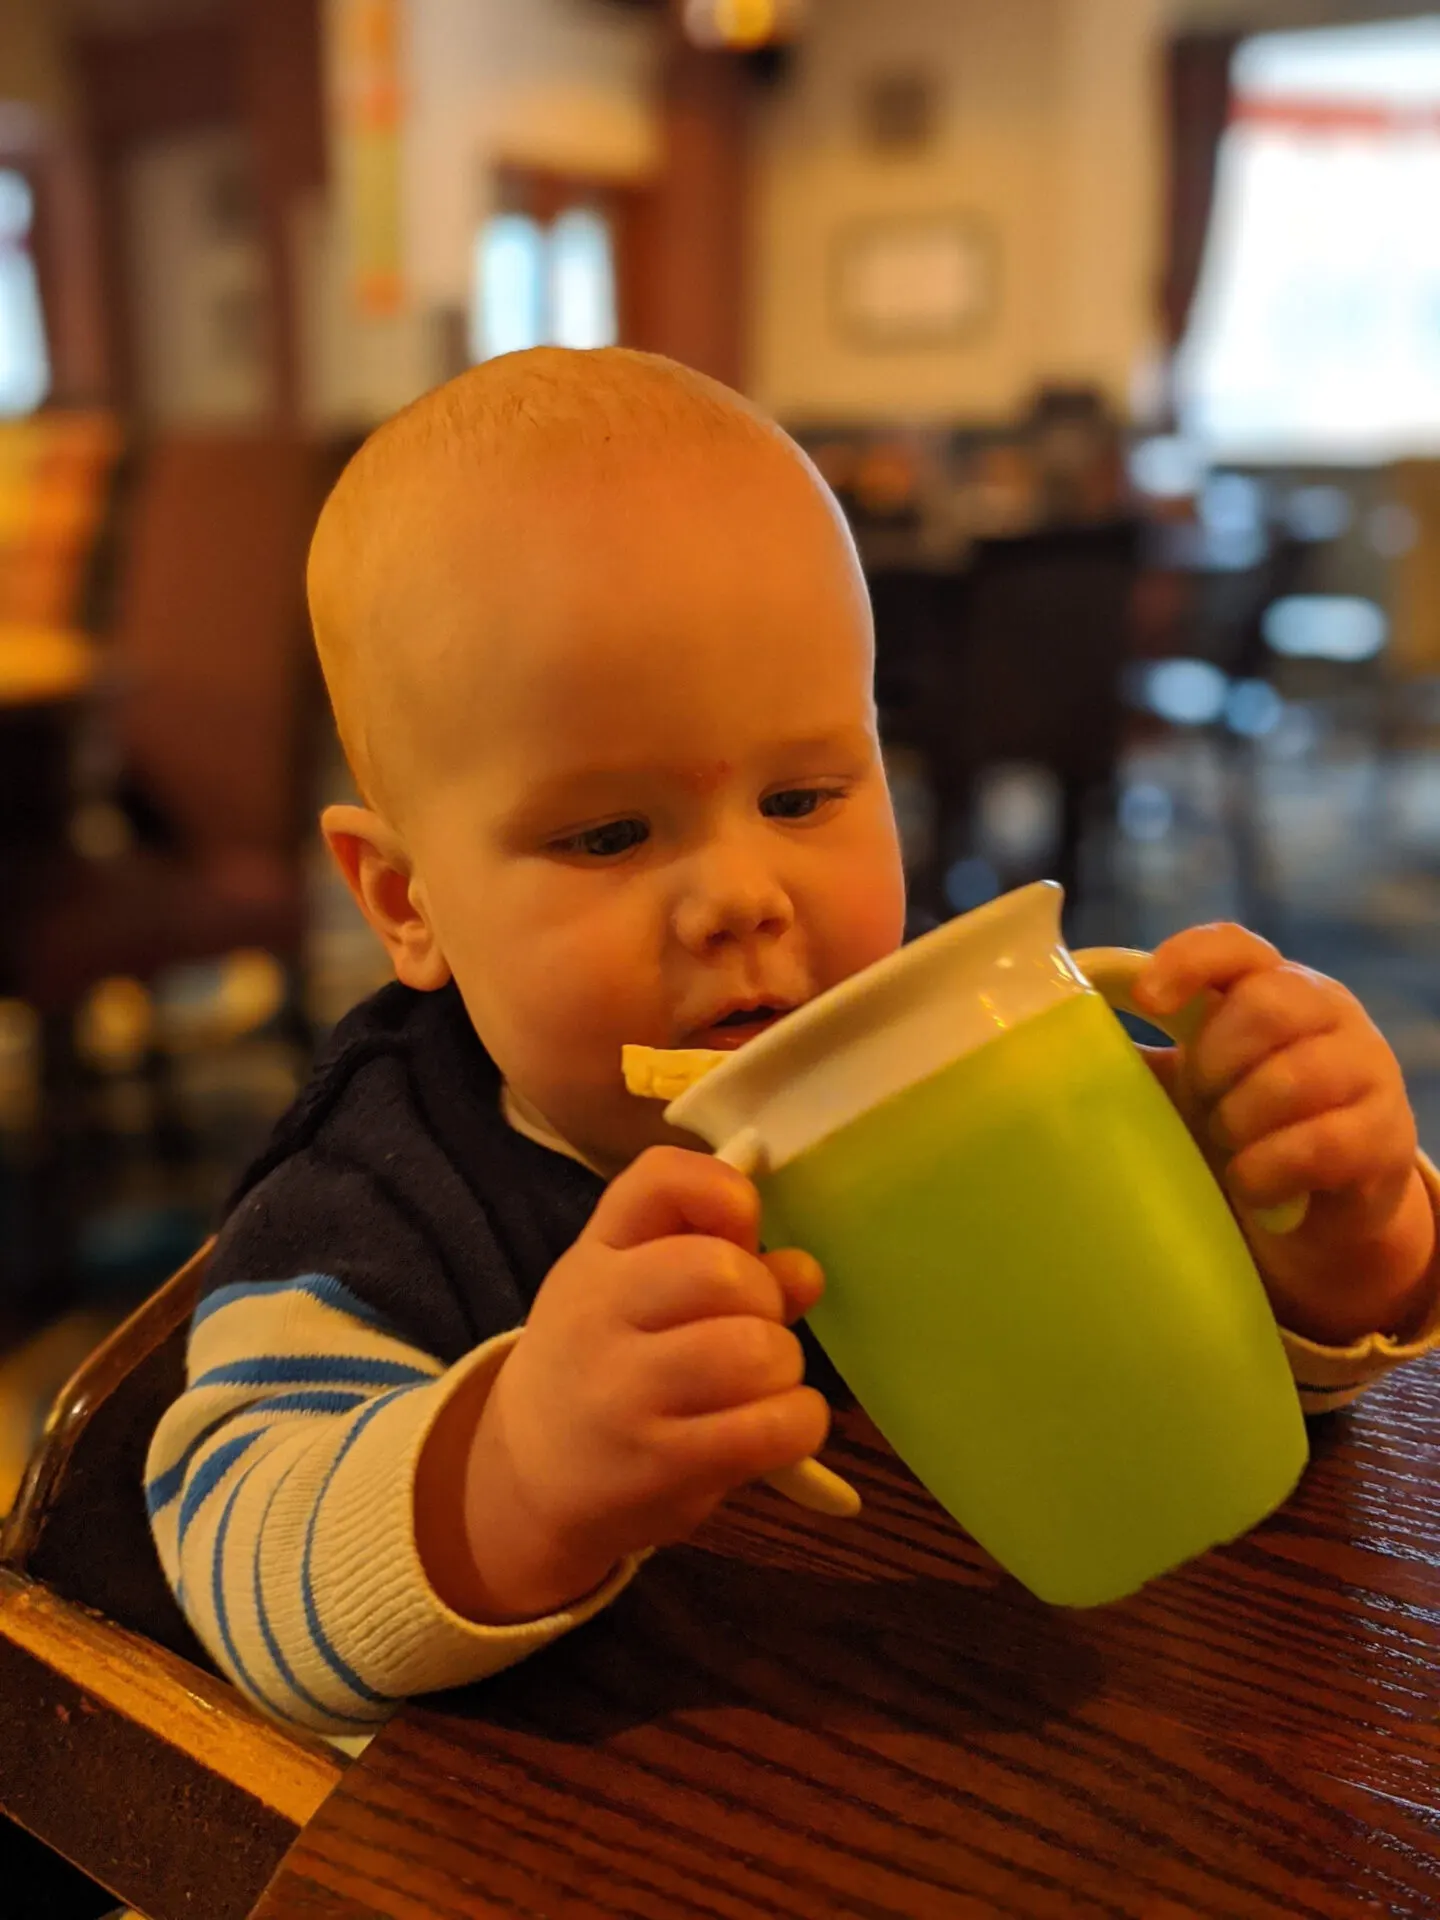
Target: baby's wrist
column 526, row 1562
column 1382, row 1281
column 487, row 1553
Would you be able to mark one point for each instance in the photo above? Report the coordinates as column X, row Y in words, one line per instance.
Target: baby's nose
column 732, row 900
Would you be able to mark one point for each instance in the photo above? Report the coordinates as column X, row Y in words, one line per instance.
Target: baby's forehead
column 470, row 580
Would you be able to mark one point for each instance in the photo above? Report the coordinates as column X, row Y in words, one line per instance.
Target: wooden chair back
column 79, row 1524
column 123, row 1751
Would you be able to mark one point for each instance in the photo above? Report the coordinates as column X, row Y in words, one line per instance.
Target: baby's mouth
column 743, row 1024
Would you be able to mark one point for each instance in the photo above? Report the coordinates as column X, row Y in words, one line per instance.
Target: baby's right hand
column 655, row 1374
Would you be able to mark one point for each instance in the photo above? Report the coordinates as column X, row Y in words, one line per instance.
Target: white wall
column 1108, row 207
column 1049, row 134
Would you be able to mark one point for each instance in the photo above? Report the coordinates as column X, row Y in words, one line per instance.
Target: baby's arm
column 281, row 1483
column 347, row 1522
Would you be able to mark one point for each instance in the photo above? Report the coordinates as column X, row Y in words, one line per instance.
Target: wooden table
column 803, row 1717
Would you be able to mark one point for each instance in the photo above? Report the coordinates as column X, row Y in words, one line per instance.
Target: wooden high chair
column 123, row 1749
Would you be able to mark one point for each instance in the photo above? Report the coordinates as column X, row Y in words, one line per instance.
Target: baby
column 479, row 1331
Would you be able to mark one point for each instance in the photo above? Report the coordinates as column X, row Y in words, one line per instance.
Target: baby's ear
column 372, row 858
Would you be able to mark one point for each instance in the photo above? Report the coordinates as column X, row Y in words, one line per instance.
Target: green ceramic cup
column 1034, row 1285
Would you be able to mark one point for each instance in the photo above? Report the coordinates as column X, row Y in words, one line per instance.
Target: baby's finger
column 723, row 1450
column 1349, row 1147
column 670, row 1190
column 715, row 1364
column 1312, row 1077
column 1202, row 957
column 689, row 1277
column 801, row 1278
column 1261, row 1014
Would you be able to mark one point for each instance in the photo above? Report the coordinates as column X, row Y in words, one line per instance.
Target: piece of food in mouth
column 664, row 1073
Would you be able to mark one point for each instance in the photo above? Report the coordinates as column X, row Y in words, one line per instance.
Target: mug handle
column 807, row 1483
column 1113, row 971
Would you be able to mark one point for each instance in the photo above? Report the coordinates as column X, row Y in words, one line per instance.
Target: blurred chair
column 1030, row 643
column 124, row 1752
column 215, row 714
column 212, row 708
column 906, row 605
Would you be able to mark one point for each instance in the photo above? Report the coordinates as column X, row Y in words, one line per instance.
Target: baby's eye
column 796, row 803
column 607, row 842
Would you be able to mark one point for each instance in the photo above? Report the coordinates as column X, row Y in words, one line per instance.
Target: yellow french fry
column 658, row 1073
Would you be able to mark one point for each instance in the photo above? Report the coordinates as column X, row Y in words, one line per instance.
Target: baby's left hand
column 1289, row 1089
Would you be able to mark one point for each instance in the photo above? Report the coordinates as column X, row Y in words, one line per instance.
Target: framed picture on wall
column 914, row 280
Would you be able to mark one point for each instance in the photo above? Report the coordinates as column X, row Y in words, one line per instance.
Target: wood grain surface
column 794, row 1716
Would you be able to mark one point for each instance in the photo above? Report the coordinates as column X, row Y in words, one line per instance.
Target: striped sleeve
column 1331, row 1377
column 281, row 1494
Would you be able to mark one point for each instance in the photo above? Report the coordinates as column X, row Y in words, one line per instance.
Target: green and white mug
column 1034, row 1285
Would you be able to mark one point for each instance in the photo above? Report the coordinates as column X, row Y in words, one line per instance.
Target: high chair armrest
column 153, row 1778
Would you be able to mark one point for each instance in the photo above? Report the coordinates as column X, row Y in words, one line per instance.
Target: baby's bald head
column 453, row 482
column 601, row 655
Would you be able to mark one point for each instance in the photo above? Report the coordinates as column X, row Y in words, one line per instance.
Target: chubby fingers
column 1261, row 1004
column 725, row 1449
column 1200, row 959
column 670, row 1190
column 801, row 1279
column 712, row 1365
column 1272, row 1014
column 673, row 1282
column 1368, row 1142
column 1320, row 1074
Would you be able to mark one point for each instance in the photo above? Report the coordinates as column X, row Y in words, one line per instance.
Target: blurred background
column 1115, row 324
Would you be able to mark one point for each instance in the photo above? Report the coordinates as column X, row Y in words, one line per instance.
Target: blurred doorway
column 562, row 260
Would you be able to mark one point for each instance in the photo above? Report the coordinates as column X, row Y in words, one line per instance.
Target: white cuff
column 1331, row 1377
column 370, row 1583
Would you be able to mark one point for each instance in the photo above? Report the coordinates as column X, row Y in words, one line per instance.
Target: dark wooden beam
column 138, row 87
column 700, row 216
column 282, row 92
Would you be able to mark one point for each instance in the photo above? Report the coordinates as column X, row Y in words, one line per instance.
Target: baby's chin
column 616, row 1140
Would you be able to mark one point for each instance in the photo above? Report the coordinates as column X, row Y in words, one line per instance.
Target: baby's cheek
column 586, row 990
column 868, row 924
